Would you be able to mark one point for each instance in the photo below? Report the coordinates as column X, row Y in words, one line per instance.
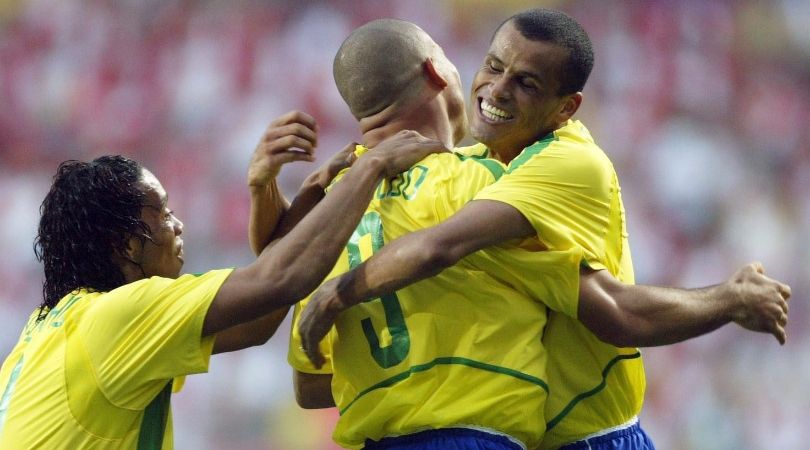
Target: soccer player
column 403, row 350
column 559, row 192
column 95, row 364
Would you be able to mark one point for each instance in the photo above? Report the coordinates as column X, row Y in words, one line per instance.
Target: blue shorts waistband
column 444, row 438
column 631, row 437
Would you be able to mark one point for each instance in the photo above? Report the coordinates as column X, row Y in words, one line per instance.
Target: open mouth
column 493, row 113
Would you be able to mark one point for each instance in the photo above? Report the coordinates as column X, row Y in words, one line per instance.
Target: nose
column 178, row 226
column 500, row 88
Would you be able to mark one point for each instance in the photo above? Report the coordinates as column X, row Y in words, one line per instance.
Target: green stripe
column 553, row 422
column 153, row 425
column 530, row 151
column 494, row 167
column 446, row 361
column 6, row 399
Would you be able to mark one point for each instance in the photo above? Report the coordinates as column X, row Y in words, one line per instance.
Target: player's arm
column 293, row 267
column 413, row 257
column 313, row 191
column 250, row 334
column 291, row 137
column 640, row 316
column 313, row 391
column 259, row 331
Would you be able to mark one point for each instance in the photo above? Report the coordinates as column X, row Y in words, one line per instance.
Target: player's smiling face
column 163, row 254
column 515, row 97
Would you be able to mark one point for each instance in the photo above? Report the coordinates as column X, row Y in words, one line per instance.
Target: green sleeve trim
column 559, row 417
column 446, row 361
column 494, row 167
column 153, row 425
column 531, row 151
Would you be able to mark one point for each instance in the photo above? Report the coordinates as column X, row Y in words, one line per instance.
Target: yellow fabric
column 461, row 348
column 82, row 377
column 567, row 188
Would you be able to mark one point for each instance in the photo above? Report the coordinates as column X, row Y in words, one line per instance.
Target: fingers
column 784, row 290
column 779, row 332
column 294, row 117
column 314, row 355
column 286, row 137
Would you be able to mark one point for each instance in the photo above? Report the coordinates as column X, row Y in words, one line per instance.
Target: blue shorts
column 445, row 439
column 630, row 438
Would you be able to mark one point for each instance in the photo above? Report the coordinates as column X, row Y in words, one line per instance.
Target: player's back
column 458, row 349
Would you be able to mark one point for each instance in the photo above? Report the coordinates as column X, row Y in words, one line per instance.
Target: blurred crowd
column 704, row 108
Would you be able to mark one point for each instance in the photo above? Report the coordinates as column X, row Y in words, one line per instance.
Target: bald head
column 381, row 63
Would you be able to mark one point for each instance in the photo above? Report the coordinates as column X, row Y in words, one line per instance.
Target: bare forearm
column 250, row 334
column 313, row 391
column 305, row 201
column 404, row 261
column 267, row 207
column 309, row 251
column 659, row 316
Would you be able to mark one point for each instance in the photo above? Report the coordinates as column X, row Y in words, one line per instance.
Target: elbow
column 439, row 254
column 306, row 402
column 312, row 391
column 610, row 324
column 623, row 333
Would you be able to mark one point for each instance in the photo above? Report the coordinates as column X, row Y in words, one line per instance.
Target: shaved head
column 380, row 63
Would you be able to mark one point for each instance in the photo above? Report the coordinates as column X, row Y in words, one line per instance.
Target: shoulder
column 570, row 152
column 142, row 294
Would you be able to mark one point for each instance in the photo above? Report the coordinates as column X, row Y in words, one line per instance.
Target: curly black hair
column 89, row 214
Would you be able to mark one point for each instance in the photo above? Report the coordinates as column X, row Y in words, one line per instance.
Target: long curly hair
column 87, row 218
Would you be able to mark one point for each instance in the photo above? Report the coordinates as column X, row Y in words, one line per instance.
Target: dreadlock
column 88, row 216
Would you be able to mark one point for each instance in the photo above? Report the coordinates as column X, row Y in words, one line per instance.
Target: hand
column 291, row 137
column 401, row 151
column 763, row 302
column 339, row 161
column 317, row 319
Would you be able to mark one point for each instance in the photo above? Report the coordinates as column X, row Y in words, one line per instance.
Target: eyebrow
column 521, row 73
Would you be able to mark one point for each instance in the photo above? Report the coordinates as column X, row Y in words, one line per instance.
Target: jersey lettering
column 370, row 228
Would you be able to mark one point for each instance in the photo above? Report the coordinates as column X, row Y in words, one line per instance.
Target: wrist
column 727, row 296
column 372, row 164
column 344, row 297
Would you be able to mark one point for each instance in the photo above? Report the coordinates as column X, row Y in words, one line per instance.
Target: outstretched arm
column 641, row 316
column 286, row 272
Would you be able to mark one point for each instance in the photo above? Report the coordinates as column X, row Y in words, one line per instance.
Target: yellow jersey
column 97, row 371
column 567, row 188
column 461, row 349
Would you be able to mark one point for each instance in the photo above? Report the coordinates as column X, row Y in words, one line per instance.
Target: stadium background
column 704, row 108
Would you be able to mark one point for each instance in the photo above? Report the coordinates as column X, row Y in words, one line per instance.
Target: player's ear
column 569, row 106
column 133, row 252
column 433, row 75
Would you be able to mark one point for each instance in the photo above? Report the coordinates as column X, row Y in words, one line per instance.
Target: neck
column 424, row 114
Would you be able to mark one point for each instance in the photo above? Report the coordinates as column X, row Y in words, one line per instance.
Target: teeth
column 493, row 113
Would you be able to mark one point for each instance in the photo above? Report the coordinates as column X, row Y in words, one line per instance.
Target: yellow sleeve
column 295, row 353
column 566, row 192
column 140, row 335
column 548, row 277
